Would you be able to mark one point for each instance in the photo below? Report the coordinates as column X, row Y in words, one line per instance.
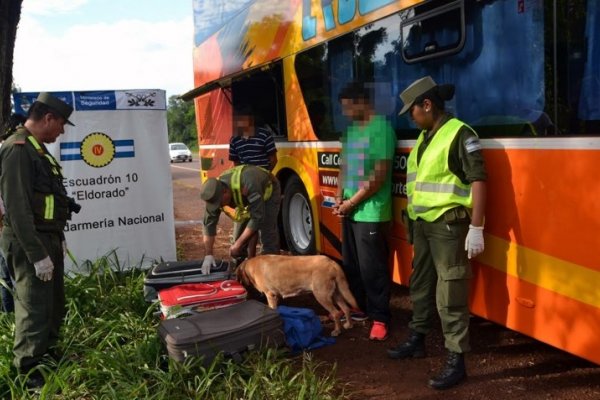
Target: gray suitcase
column 170, row 273
column 232, row 330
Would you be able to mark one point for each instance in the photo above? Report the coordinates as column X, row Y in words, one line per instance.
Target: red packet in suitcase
column 181, row 299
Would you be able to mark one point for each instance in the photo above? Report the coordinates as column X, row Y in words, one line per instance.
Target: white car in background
column 179, row 152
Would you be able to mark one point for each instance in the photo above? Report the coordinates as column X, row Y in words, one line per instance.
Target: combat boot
column 413, row 347
column 34, row 380
column 453, row 372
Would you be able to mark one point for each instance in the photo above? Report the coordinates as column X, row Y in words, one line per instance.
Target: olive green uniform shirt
column 24, row 175
column 253, row 185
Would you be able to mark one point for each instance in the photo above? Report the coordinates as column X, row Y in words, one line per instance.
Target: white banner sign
column 116, row 166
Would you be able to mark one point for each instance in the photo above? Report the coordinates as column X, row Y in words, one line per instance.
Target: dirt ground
column 502, row 365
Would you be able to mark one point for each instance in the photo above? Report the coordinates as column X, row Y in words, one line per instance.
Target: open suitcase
column 171, row 273
column 233, row 330
column 181, row 299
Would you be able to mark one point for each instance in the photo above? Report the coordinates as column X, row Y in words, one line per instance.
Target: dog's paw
column 335, row 333
column 348, row 325
column 325, row 319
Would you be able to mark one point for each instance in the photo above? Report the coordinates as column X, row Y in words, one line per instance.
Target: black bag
column 232, row 330
column 171, row 273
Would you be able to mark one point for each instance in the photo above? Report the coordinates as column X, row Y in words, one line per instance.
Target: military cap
column 211, row 192
column 414, row 90
column 56, row 104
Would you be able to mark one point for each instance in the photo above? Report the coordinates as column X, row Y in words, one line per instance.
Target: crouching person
column 255, row 195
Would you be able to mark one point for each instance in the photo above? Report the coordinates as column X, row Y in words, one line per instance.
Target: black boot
column 413, row 347
column 453, row 372
column 34, row 380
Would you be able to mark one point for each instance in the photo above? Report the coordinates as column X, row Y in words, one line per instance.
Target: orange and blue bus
column 527, row 74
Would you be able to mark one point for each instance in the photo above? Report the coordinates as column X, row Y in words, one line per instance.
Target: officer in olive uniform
column 446, row 203
column 37, row 208
column 255, row 195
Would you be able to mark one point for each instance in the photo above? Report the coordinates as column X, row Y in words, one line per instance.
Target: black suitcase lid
column 216, row 323
column 178, row 268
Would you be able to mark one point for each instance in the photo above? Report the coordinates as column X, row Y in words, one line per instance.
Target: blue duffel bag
column 302, row 329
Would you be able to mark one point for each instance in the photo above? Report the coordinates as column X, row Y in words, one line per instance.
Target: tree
column 181, row 121
column 10, row 14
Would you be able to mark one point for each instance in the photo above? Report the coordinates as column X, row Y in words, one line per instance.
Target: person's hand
column 336, row 207
column 64, row 247
column 474, row 244
column 44, row 268
column 209, row 261
column 344, row 208
column 235, row 250
column 338, row 201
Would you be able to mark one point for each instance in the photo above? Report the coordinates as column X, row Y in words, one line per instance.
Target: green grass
column 112, row 351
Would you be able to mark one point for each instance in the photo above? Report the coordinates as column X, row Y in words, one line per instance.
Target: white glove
column 209, row 261
column 64, row 247
column 474, row 243
column 44, row 268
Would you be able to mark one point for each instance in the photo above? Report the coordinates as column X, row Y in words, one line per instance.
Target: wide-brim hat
column 414, row 90
column 57, row 105
column 211, row 192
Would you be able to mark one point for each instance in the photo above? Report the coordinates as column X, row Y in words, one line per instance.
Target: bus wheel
column 297, row 218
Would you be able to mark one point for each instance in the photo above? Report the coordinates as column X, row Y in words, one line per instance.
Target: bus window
column 322, row 72
column 497, row 94
column 506, row 86
column 575, row 71
column 262, row 92
column 437, row 32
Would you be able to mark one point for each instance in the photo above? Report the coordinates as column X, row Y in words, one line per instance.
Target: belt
column 453, row 216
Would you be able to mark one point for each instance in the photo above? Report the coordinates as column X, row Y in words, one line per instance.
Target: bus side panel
column 299, row 126
column 543, row 314
column 402, row 254
column 540, row 271
column 546, row 200
column 213, row 119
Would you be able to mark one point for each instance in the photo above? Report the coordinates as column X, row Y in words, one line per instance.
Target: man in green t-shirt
column 364, row 201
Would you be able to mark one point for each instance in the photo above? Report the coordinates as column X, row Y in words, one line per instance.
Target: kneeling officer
column 255, row 195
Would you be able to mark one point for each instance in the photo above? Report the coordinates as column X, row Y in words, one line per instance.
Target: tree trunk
column 10, row 13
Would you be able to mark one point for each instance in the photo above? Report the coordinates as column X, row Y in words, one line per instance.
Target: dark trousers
column 8, row 304
column 440, row 280
column 39, row 306
column 365, row 252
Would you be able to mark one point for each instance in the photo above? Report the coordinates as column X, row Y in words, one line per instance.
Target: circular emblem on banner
column 97, row 149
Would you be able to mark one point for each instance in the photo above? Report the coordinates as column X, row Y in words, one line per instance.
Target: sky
column 80, row 45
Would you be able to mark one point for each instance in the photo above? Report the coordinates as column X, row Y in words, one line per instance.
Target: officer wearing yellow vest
column 37, row 209
column 255, row 195
column 446, row 193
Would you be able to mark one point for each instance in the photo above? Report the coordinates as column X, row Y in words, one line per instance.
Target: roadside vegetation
column 181, row 122
column 112, row 351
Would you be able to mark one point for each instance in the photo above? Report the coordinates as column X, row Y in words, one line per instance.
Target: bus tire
column 298, row 224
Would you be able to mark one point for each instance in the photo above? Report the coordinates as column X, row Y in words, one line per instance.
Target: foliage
column 181, row 121
column 111, row 350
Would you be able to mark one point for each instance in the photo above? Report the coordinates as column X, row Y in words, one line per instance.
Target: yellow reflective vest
column 241, row 213
column 432, row 189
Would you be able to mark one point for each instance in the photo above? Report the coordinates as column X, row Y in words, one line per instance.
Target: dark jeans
column 365, row 252
column 8, row 304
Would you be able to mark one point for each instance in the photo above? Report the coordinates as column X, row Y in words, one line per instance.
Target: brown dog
column 287, row 276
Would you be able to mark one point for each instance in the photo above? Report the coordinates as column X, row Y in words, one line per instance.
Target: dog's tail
column 343, row 288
